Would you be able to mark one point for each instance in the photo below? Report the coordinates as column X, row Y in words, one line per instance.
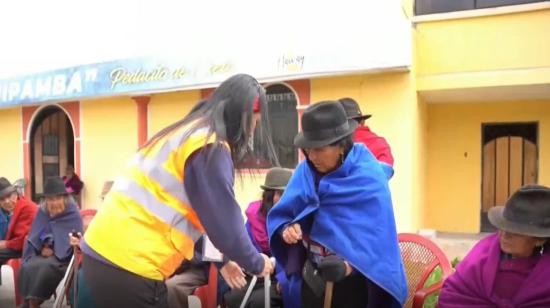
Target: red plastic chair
column 421, row 257
column 87, row 216
column 15, row 264
column 208, row 294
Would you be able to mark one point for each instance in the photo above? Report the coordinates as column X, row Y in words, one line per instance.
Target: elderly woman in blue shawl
column 47, row 252
column 335, row 221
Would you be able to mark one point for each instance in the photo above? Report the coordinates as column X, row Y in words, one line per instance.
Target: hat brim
column 301, row 142
column 264, row 187
column 497, row 219
column 7, row 191
column 54, row 194
column 362, row 117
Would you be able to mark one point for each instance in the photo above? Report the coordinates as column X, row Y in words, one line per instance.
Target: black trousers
column 350, row 292
column 6, row 254
column 112, row 287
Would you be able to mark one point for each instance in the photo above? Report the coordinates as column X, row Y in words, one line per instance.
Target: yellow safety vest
column 146, row 224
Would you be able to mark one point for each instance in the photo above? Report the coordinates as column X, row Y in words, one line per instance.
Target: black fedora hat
column 5, row 187
column 277, row 178
column 527, row 212
column 54, row 186
column 323, row 124
column 352, row 109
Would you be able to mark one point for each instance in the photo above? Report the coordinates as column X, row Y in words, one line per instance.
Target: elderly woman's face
column 8, row 203
column 55, row 205
column 325, row 159
column 517, row 245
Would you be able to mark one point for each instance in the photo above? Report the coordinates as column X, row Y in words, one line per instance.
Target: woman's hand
column 292, row 234
column 46, row 252
column 75, row 241
column 269, row 266
column 233, row 275
column 334, row 268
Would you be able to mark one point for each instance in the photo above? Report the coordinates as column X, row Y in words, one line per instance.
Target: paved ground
column 457, row 245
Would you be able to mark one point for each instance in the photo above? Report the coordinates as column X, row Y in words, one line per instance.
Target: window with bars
column 283, row 120
column 50, row 145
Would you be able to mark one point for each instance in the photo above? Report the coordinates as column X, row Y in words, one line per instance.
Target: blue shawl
column 58, row 227
column 4, row 224
column 350, row 214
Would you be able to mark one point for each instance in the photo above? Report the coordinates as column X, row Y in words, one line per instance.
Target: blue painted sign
column 105, row 79
column 145, row 76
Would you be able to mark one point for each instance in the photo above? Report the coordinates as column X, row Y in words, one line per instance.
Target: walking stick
column 249, row 291
column 64, row 284
column 267, row 289
column 328, row 294
column 75, row 277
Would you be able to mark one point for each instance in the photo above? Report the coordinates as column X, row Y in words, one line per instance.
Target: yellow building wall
column 454, row 156
column 391, row 99
column 486, row 51
column 167, row 108
column 11, row 154
column 109, row 140
column 518, row 40
column 247, row 187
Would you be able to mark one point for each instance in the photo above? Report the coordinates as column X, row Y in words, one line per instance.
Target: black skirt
column 39, row 277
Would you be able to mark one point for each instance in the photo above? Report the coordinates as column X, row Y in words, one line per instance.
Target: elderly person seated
column 510, row 268
column 335, row 221
column 18, row 216
column 48, row 251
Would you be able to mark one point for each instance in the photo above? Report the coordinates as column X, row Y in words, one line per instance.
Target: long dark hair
column 228, row 113
column 267, row 201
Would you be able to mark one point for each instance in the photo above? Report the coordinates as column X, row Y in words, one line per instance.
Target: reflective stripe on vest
column 147, row 225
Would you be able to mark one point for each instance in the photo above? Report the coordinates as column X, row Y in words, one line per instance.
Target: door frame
column 485, row 226
column 29, row 115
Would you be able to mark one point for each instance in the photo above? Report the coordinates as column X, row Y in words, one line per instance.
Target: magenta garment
column 73, row 185
column 473, row 284
column 511, row 275
column 257, row 225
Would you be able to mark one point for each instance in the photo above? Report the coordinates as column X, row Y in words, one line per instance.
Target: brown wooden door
column 51, row 154
column 509, row 162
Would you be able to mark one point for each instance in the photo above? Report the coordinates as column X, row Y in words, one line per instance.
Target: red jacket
column 20, row 223
column 378, row 146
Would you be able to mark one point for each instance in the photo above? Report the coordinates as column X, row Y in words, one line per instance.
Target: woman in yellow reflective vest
column 178, row 186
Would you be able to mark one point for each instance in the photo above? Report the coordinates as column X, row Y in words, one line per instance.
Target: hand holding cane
column 267, row 286
column 332, row 269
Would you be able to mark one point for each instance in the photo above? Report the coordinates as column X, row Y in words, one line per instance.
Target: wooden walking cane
column 328, row 294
